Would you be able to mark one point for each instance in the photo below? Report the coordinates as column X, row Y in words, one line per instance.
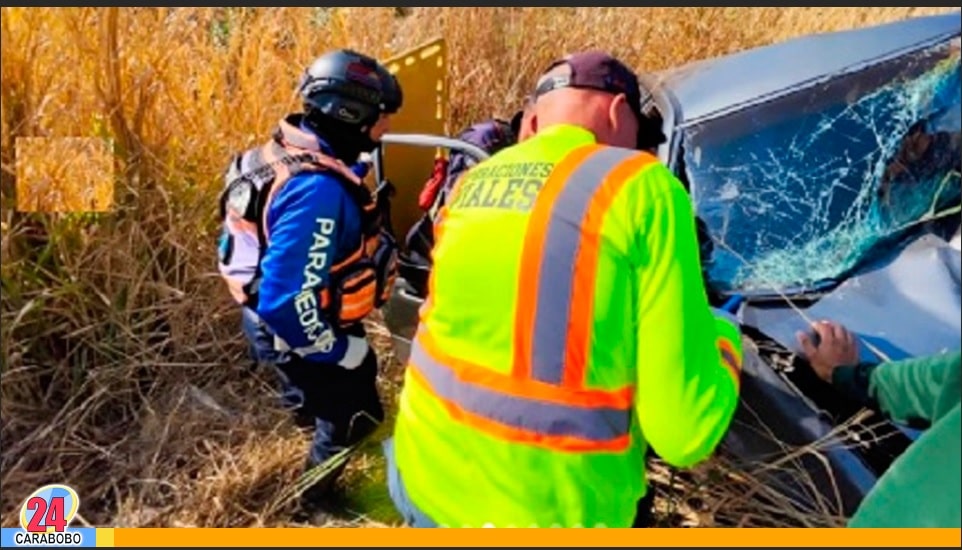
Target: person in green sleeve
column 922, row 487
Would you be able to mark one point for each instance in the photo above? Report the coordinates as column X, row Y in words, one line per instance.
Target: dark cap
column 598, row 70
column 593, row 69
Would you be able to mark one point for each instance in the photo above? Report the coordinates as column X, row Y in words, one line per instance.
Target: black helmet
column 393, row 97
column 348, row 87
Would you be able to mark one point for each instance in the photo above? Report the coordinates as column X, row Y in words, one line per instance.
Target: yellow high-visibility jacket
column 566, row 328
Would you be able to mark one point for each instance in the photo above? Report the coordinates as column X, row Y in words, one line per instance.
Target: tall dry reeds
column 123, row 367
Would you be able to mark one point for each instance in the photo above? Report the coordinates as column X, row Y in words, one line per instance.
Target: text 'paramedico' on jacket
column 566, row 328
column 303, row 244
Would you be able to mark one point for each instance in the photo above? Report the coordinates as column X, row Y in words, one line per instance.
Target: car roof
column 714, row 86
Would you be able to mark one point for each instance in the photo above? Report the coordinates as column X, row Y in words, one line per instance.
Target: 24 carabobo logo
column 46, row 515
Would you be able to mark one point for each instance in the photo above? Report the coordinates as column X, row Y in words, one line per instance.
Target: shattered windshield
column 801, row 189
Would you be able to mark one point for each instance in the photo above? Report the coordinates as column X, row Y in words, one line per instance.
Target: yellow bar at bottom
column 420, row 538
column 105, row 536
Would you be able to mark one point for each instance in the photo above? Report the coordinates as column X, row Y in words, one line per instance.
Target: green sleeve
column 685, row 397
column 925, row 388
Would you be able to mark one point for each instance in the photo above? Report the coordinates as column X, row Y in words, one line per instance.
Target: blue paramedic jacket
column 313, row 224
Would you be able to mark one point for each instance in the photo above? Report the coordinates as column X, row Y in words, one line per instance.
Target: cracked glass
column 800, row 190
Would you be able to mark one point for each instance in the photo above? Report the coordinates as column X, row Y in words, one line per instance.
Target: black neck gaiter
column 346, row 141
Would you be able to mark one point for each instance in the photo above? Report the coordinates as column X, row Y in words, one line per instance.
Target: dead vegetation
column 123, row 370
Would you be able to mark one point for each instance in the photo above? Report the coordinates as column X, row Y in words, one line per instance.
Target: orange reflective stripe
column 389, row 285
column 557, row 313
column 730, row 359
column 585, row 267
column 526, row 388
column 371, row 245
column 544, row 400
column 428, row 304
column 357, row 299
column 355, row 256
column 534, row 241
column 518, row 435
column 354, row 312
column 517, row 410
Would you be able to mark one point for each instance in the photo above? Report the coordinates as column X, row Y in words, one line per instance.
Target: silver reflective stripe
column 591, row 424
column 562, row 241
column 355, row 354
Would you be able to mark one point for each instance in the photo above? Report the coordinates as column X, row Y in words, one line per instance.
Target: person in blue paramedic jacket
column 304, row 251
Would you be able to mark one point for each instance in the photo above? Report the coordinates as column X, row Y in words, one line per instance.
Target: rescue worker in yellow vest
column 304, row 250
column 566, row 327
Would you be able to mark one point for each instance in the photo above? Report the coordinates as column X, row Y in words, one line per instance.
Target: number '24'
column 44, row 516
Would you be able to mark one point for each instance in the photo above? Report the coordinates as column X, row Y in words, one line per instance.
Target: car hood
column 905, row 305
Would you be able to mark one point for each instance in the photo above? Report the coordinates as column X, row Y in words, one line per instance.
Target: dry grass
column 123, row 367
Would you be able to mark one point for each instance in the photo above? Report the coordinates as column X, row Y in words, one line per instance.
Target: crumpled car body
column 826, row 172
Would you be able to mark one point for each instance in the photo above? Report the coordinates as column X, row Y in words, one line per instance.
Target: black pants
column 345, row 403
column 645, row 513
column 645, row 516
